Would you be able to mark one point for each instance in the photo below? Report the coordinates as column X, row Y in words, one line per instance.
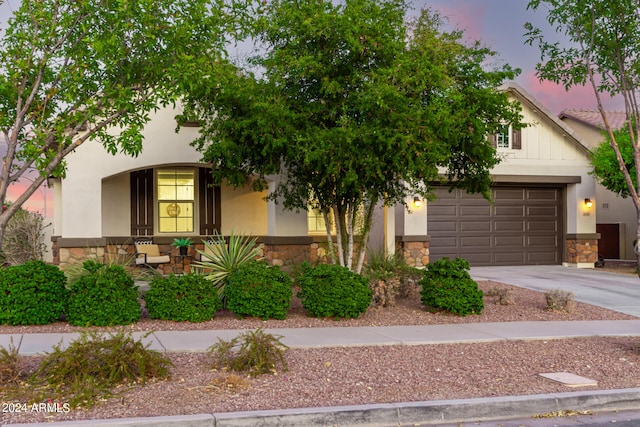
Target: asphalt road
column 613, row 419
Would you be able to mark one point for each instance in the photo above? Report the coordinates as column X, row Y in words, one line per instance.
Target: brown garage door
column 522, row 227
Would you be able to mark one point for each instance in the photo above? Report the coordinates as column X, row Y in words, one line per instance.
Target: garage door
column 522, row 227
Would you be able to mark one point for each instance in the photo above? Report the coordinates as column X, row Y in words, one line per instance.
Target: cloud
column 556, row 98
column 462, row 15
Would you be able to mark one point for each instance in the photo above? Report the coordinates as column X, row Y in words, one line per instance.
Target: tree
column 73, row 71
column 24, row 238
column 347, row 105
column 605, row 165
column 602, row 51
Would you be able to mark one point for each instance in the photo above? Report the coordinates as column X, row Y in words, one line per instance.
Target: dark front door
column 609, row 243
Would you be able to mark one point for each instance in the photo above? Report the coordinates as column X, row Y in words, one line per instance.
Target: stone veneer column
column 581, row 250
column 415, row 250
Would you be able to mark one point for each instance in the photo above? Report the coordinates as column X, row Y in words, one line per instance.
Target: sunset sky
column 499, row 24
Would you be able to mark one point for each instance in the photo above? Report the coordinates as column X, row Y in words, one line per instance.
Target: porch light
column 417, row 202
column 588, row 203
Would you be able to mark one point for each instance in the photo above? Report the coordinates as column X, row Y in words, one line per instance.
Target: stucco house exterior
column 539, row 215
column 617, row 219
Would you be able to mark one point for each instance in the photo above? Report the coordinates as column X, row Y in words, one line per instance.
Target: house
column 617, row 220
column 538, row 216
column 539, row 213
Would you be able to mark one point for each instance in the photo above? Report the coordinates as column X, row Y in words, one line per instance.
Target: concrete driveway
column 618, row 292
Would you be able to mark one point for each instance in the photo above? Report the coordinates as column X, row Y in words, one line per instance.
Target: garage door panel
column 446, row 226
column 522, row 226
column 510, row 226
column 476, row 258
column 444, row 242
column 544, row 241
column 475, row 242
column 542, row 194
column 466, row 210
column 542, row 258
column 513, row 241
column 499, row 211
column 543, row 211
column 475, row 226
column 509, row 258
column 536, row 225
column 439, row 210
column 508, row 194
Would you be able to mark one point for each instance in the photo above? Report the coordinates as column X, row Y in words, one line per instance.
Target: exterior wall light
column 588, row 203
column 417, row 202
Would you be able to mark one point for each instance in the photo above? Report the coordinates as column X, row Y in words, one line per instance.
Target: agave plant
column 219, row 259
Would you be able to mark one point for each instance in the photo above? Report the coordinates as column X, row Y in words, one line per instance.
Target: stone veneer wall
column 274, row 254
column 579, row 251
column 415, row 253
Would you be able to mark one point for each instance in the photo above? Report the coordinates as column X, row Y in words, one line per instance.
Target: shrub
column 220, row 258
column 182, row 298
column 333, row 291
column 447, row 285
column 254, row 352
column 258, row 290
column 33, row 293
column 503, row 296
column 90, row 367
column 559, row 300
column 105, row 296
column 24, row 238
column 390, row 277
column 10, row 371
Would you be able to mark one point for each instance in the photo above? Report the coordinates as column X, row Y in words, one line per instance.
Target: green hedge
column 33, row 293
column 105, row 296
column 447, row 285
column 333, row 291
column 258, row 290
column 190, row 298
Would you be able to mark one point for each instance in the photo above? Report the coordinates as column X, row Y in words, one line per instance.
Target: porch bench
column 148, row 253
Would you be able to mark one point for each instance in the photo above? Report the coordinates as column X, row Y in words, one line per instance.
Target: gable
column 544, row 138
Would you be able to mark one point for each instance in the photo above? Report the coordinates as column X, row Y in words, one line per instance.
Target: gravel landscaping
column 351, row 376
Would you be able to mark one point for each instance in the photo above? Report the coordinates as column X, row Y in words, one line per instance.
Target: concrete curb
column 410, row 413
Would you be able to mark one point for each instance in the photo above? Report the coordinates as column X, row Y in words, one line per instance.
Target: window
column 315, row 220
column 503, row 138
column 165, row 201
column 176, row 200
column 506, row 138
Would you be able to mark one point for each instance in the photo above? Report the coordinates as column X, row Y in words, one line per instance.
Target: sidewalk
column 199, row 341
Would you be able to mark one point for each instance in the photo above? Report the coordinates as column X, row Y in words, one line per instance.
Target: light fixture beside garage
column 588, row 203
column 417, row 202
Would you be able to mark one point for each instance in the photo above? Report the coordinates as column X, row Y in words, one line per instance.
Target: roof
column 593, row 118
column 523, row 96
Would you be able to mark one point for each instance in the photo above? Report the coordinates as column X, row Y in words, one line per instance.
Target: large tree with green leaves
column 347, row 104
column 601, row 50
column 73, row 71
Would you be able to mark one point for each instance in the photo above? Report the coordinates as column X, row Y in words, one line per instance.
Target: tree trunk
column 636, row 244
column 368, row 215
column 327, row 225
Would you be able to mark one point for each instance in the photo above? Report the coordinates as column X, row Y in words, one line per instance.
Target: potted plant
column 183, row 244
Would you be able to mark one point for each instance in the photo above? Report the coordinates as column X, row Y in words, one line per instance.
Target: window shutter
column 492, row 140
column 142, row 202
column 209, row 200
column 516, row 139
